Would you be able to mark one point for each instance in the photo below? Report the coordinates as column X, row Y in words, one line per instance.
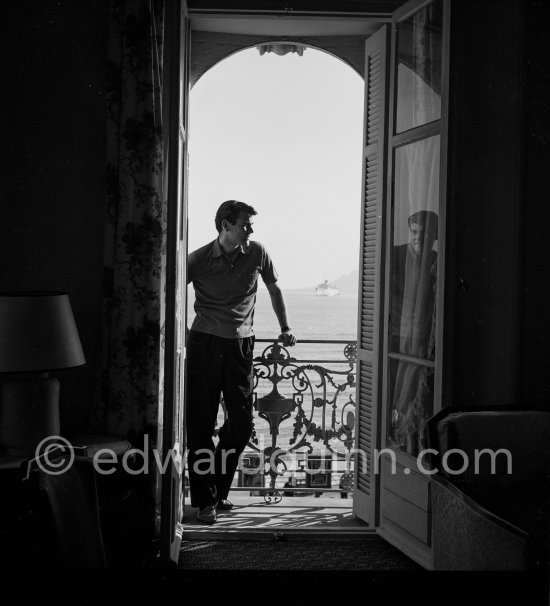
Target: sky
column 284, row 134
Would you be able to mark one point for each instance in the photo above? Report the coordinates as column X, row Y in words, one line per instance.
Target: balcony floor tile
column 293, row 516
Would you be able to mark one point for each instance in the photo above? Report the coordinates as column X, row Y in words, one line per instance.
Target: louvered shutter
column 370, row 291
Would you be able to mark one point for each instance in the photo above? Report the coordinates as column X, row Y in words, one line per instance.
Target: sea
column 312, row 318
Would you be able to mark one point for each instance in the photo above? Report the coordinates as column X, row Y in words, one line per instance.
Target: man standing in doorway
column 220, row 348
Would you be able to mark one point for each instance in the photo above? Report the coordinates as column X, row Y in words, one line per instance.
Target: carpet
column 373, row 554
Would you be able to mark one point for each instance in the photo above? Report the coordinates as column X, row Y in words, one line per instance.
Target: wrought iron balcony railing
column 305, row 418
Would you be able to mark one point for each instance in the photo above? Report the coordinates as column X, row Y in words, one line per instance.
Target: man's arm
column 279, row 307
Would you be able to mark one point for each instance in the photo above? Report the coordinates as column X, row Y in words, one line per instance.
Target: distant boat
column 324, row 290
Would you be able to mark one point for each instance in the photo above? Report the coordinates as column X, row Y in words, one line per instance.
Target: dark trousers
column 215, row 366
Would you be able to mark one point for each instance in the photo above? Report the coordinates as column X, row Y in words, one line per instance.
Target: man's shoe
column 224, row 505
column 207, row 515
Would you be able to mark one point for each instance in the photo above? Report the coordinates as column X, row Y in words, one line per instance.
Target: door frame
column 175, row 104
column 168, row 515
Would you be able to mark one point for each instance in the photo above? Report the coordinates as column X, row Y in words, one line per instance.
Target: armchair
column 492, row 515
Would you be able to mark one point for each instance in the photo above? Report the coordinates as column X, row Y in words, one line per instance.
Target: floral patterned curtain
column 135, row 229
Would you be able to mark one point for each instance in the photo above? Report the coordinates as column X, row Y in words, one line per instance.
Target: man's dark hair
column 229, row 210
column 427, row 218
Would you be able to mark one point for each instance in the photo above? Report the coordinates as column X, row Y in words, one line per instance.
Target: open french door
column 176, row 66
column 402, row 270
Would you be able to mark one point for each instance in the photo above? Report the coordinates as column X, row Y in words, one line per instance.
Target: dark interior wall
column 51, row 220
column 484, row 209
column 535, row 344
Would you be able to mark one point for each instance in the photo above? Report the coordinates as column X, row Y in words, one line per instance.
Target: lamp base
column 29, row 412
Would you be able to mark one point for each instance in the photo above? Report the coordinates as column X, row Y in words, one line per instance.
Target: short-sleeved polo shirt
column 226, row 286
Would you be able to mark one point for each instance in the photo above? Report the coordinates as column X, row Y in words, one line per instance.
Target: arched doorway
column 386, row 502
column 283, row 131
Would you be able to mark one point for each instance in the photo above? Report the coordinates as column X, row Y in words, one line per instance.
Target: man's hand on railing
column 287, row 338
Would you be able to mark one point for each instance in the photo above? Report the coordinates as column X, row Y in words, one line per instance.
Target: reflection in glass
column 419, row 68
column 413, row 289
column 412, row 323
column 411, row 391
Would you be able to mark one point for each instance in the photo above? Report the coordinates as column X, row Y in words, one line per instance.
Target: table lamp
column 37, row 335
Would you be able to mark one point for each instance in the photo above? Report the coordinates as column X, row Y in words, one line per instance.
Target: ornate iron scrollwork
column 311, row 394
column 273, row 497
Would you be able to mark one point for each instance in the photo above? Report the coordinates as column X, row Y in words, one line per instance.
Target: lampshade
column 38, row 332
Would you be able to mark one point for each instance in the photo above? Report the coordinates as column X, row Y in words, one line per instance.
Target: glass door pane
column 413, row 290
column 419, row 52
column 411, row 396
